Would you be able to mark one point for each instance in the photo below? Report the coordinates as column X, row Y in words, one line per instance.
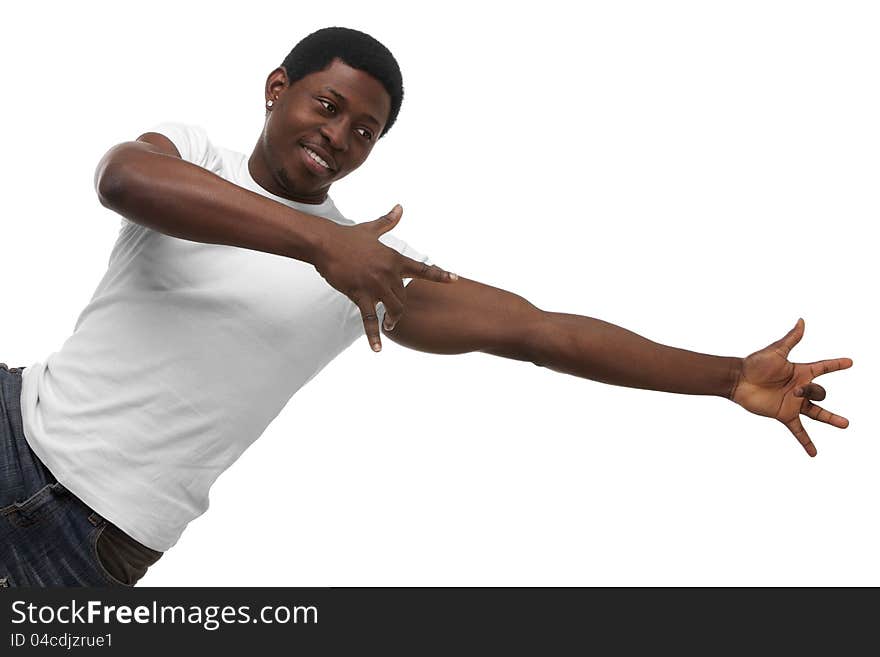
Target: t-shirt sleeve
column 192, row 143
column 403, row 248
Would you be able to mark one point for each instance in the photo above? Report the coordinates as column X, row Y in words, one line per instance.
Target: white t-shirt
column 184, row 355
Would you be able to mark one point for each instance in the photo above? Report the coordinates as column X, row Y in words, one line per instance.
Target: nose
column 336, row 132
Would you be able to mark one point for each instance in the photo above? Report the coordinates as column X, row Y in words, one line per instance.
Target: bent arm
column 146, row 182
column 478, row 317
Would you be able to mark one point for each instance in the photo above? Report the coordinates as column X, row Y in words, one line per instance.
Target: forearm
column 597, row 350
column 180, row 199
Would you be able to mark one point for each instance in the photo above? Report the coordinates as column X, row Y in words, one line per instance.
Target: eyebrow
column 343, row 98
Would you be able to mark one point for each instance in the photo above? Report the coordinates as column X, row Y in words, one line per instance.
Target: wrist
column 313, row 242
column 734, row 376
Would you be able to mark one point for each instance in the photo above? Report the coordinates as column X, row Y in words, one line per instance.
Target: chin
column 290, row 184
column 296, row 187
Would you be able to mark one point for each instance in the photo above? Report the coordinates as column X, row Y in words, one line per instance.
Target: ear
column 276, row 83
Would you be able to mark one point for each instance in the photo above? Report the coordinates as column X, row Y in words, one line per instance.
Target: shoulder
column 191, row 141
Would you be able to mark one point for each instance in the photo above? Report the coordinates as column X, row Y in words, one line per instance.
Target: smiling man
column 234, row 281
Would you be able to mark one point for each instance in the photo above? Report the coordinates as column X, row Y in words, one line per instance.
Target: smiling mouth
column 317, row 158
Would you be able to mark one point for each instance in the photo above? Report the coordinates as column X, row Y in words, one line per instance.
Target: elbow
column 537, row 338
column 112, row 177
column 524, row 338
column 108, row 187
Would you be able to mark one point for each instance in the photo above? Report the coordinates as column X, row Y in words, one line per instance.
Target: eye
column 330, row 107
column 366, row 134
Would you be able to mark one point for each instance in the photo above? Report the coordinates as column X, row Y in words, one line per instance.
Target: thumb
column 785, row 344
column 389, row 221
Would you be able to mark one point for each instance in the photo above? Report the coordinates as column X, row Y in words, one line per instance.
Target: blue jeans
column 48, row 536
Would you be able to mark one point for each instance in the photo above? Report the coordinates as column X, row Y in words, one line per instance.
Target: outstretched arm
column 471, row 316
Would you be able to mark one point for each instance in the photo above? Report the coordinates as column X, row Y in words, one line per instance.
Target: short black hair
column 357, row 49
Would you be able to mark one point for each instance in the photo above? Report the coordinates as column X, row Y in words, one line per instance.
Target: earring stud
column 269, row 104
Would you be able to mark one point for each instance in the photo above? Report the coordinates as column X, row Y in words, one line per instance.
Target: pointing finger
column 811, row 391
column 821, row 367
column 797, row 429
column 416, row 269
column 818, row 413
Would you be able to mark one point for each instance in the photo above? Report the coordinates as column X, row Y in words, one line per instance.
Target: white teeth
column 316, row 158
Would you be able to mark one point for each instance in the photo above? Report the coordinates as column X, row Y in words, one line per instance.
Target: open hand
column 770, row 385
column 356, row 263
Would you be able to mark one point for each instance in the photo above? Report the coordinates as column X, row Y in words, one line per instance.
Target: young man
column 234, row 280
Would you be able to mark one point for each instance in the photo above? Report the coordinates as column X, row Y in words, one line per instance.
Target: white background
column 700, row 173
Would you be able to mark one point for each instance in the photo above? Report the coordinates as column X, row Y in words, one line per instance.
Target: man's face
column 321, row 128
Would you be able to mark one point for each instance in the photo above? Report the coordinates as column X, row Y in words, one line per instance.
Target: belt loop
column 95, row 519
